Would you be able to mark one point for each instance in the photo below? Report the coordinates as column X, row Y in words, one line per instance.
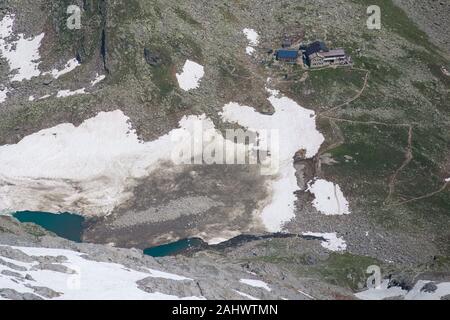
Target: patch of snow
column 215, row 241
column 68, row 93
column 381, row 292
column 223, row 235
column 69, row 66
column 253, row 39
column 416, row 293
column 256, row 284
column 102, row 158
column 252, row 36
column 329, row 198
column 165, row 275
column 332, row 241
column 45, row 97
column 89, row 280
column 98, row 78
column 245, row 295
column 190, row 77
column 31, row 98
column 6, row 26
column 22, row 54
column 291, row 129
column 306, row 295
column 3, row 94
column 250, row 50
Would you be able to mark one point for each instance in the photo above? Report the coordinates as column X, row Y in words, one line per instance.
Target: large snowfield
column 92, row 168
column 296, row 129
column 97, row 162
column 86, row 279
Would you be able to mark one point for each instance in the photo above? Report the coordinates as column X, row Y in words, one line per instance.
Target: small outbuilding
column 287, row 55
column 287, row 43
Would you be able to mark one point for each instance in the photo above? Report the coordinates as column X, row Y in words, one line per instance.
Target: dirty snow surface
column 288, row 130
column 190, row 77
column 22, row 53
column 331, row 240
column 329, row 198
column 68, row 275
column 90, row 168
column 418, row 292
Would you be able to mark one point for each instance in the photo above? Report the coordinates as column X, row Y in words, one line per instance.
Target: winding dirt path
column 360, row 92
column 341, row 139
column 367, row 122
column 408, row 158
column 408, row 151
column 429, row 195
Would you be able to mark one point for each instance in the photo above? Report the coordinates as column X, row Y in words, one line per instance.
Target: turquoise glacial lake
column 70, row 226
column 65, row 225
column 173, row 247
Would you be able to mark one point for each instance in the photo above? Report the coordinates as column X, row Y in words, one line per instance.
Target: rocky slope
column 86, row 116
column 36, row 265
column 30, row 270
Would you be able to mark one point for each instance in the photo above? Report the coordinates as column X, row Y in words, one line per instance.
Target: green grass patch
column 228, row 15
column 186, row 17
column 327, row 87
column 380, row 71
column 395, row 19
column 346, row 269
column 342, row 269
column 440, row 264
column 162, row 77
column 186, row 46
column 376, row 150
column 233, row 76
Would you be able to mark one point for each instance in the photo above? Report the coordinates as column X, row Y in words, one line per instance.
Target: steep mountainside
column 90, row 119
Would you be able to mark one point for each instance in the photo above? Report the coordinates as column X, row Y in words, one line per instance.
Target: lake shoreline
column 71, row 227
